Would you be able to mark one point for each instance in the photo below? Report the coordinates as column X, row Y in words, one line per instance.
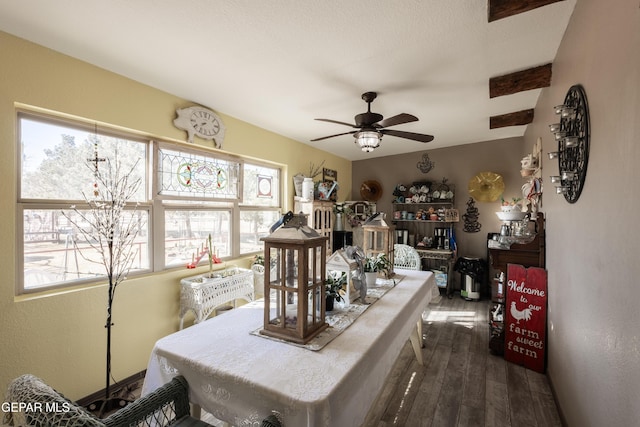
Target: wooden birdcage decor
column 295, row 303
column 378, row 238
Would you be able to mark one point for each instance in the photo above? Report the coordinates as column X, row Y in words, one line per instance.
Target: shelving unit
column 427, row 222
column 320, row 217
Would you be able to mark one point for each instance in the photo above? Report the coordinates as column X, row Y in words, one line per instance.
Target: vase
column 330, row 301
column 339, row 225
column 371, row 278
column 307, row 188
column 297, row 184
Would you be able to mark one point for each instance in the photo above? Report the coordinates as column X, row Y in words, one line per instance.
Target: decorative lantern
column 378, row 238
column 339, row 261
column 295, row 303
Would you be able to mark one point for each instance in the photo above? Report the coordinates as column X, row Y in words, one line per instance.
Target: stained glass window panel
column 190, row 175
column 261, row 186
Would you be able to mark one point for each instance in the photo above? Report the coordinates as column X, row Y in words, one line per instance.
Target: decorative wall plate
column 486, row 186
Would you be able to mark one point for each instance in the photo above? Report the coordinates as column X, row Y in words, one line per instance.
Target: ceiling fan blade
column 408, row 135
column 398, row 120
column 331, row 136
column 337, row 122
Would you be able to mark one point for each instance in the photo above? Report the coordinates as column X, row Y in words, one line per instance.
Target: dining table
column 240, row 377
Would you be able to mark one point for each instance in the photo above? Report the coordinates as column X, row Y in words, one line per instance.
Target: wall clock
column 573, row 142
column 201, row 122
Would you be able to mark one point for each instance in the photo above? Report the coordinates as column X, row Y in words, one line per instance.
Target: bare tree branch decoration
column 111, row 231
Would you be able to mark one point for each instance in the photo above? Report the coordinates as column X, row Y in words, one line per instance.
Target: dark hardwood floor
column 461, row 383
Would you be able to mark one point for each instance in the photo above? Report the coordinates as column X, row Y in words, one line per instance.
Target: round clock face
column 202, row 122
column 205, row 123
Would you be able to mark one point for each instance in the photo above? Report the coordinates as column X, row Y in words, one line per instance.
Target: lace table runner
column 340, row 318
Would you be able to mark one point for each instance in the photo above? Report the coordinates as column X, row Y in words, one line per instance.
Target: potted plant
column 333, row 285
column 303, row 184
column 374, row 265
column 258, row 260
column 514, row 205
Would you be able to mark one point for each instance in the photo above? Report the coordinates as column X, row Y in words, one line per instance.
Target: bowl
column 511, row 216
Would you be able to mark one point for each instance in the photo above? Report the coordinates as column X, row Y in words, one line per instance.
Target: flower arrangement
column 315, row 170
column 513, row 205
column 111, row 231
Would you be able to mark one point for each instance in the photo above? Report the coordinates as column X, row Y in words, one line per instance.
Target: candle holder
column 571, row 141
column 559, row 135
column 555, row 127
column 572, row 136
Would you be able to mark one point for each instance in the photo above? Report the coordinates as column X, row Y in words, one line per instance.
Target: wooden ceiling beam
column 498, row 9
column 518, row 118
column 532, row 78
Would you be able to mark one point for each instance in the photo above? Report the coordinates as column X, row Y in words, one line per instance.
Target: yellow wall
column 61, row 336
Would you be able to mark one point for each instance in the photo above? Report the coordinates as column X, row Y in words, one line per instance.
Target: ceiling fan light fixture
column 368, row 140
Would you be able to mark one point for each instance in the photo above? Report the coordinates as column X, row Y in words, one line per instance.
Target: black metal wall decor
column 426, row 164
column 572, row 134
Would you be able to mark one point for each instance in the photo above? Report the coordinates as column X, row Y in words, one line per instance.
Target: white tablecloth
column 240, row 378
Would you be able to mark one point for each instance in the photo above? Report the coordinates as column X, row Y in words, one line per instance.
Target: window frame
column 155, row 204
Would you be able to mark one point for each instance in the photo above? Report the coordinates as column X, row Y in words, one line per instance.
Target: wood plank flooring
column 461, row 384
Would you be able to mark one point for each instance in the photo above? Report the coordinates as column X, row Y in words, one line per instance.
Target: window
column 57, row 172
column 260, row 207
column 202, row 200
column 193, row 196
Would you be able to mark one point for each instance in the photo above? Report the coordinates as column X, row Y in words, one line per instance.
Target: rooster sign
column 524, row 314
column 526, row 317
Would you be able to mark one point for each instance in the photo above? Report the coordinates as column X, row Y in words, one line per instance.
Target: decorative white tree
column 109, row 230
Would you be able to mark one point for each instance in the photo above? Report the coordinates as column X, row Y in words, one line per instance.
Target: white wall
column 592, row 245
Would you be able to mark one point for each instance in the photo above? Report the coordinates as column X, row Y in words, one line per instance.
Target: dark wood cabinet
column 531, row 254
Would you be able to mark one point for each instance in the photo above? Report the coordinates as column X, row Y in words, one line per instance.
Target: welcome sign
column 526, row 316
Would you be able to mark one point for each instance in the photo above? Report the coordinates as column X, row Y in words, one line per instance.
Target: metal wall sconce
column 572, row 134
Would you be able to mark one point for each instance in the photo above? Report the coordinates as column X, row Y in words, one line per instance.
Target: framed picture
column 329, row 175
column 451, row 215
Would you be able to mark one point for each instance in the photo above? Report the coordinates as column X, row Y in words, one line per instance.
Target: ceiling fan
column 371, row 126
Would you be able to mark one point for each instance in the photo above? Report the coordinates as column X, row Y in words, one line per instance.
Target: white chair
column 406, row 257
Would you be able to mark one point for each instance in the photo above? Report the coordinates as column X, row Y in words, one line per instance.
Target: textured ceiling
column 279, row 64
